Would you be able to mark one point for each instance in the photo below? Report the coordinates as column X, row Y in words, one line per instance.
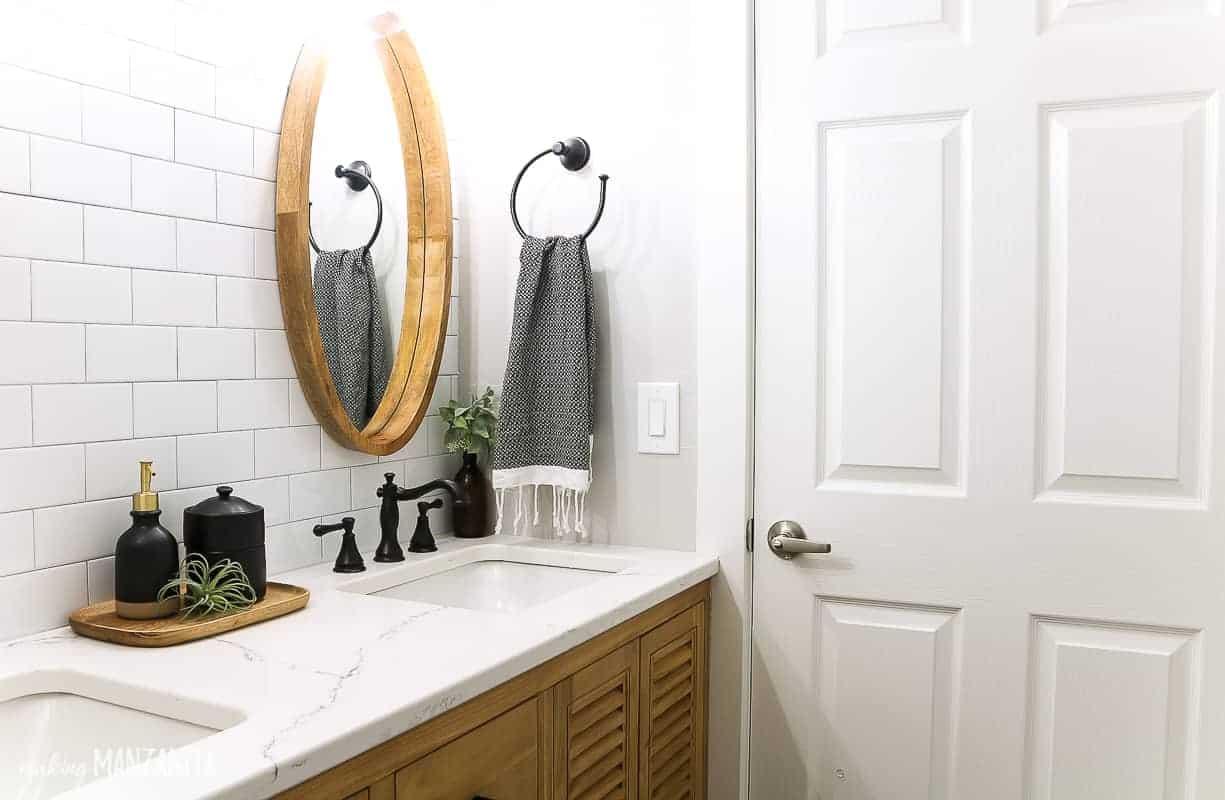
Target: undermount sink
column 492, row 578
column 57, row 737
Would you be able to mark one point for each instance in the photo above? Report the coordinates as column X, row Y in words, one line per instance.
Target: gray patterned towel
column 351, row 324
column 547, row 414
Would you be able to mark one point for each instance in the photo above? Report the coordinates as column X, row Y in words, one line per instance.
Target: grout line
column 161, row 214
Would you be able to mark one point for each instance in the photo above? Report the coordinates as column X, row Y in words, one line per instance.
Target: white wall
column 139, row 315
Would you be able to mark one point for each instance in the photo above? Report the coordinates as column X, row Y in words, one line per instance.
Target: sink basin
column 57, row 737
column 506, row 586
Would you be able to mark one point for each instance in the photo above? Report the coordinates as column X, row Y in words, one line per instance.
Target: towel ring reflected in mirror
column 358, row 175
column 574, row 153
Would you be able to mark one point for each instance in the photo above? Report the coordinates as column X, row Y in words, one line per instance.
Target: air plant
column 221, row 588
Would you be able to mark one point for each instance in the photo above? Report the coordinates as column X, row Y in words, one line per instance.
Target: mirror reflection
column 358, row 213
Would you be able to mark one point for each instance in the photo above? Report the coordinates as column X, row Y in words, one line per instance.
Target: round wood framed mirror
column 420, row 226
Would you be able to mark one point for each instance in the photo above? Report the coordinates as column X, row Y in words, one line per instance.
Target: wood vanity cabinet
column 622, row 715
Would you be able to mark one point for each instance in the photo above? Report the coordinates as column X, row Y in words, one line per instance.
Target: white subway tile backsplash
column 242, row 405
column 80, row 531
column 318, row 494
column 14, row 161
column 41, row 352
column 216, row 458
column 16, row 542
column 112, row 469
column 417, row 447
column 213, row 353
column 267, row 147
column 41, row 476
column 265, row 254
column 14, row 289
column 216, row 249
column 251, row 99
column 246, row 201
column 39, row 600
column 65, row 292
column 35, row 39
column 128, row 238
column 450, row 357
column 272, row 358
column 248, row 303
column 82, row 412
column 130, row 353
column 284, row 451
column 147, row 21
column 39, row 104
column 173, row 80
column 292, row 546
column 366, row 480
column 213, row 143
column 435, row 430
column 333, row 455
column 169, row 298
column 38, row 228
column 168, row 409
column 80, row 172
column 299, row 410
column 173, row 504
column 125, row 123
column 16, row 417
column 271, row 493
column 453, row 318
column 176, row 189
column 100, row 579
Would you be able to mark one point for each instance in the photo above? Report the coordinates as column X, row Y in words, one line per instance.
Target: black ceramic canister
column 224, row 527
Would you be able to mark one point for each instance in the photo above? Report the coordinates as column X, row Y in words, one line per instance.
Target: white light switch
column 659, row 418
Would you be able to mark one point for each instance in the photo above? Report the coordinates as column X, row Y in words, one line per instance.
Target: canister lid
column 224, row 505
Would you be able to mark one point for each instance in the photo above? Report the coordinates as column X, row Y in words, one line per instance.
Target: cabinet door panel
column 596, row 724
column 672, row 700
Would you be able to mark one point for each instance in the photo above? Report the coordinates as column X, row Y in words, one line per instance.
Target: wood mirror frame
column 427, row 176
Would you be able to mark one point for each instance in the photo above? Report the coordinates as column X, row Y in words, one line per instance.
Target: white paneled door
column 989, row 360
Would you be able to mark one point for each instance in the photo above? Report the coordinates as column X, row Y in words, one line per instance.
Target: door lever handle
column 787, row 539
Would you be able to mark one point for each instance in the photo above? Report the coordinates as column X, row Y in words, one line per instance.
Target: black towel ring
column 574, row 155
column 357, row 175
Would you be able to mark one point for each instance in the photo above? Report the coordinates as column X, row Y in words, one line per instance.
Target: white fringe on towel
column 569, row 498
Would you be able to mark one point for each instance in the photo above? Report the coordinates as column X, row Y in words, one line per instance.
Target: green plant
column 471, row 428
column 218, row 589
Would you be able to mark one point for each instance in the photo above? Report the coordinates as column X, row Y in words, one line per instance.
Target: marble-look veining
column 346, row 673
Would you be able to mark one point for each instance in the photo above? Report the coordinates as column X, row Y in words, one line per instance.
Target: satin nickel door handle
column 787, row 539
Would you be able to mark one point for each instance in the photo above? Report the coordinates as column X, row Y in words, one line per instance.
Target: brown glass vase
column 474, row 518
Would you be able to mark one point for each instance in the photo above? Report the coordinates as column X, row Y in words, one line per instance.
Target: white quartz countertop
column 348, row 672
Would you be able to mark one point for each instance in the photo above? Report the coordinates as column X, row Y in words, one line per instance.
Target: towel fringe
column 569, row 510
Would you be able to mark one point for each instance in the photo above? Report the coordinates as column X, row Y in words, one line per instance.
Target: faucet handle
column 348, row 559
column 345, row 522
column 423, row 507
column 387, row 489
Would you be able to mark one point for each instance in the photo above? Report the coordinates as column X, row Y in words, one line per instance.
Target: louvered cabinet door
column 596, row 724
column 672, row 718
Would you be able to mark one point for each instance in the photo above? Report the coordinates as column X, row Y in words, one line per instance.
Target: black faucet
column 389, row 515
column 348, row 559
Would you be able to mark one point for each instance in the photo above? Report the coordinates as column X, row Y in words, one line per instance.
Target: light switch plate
column 659, row 418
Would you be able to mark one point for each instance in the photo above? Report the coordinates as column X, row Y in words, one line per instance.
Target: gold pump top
column 146, row 498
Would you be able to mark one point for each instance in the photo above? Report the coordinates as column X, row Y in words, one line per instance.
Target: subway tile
column 82, row 412
column 173, row 80
column 40, row 600
column 265, row 254
column 41, row 476
column 169, row 298
column 65, row 292
column 242, row 405
column 80, row 173
column 78, row 532
column 216, row 458
column 271, row 493
column 16, row 542
column 450, row 357
column 39, row 104
column 435, row 430
column 167, row 409
column 292, row 546
column 130, row 353
column 453, row 318
column 333, row 455
column 176, row 189
column 174, row 503
column 416, row 447
column 128, row 238
column 14, row 289
column 251, row 98
column 16, row 417
column 248, row 303
column 267, row 149
column 272, row 358
column 317, row 494
column 284, row 451
column 299, row 410
column 216, row 249
column 212, row 143
column 38, row 228
column 112, row 469
column 213, row 353
column 56, row 46
column 366, row 480
column 146, row 21
column 100, row 579
column 14, row 161
column 246, row 201
column 125, row 123
column 41, row 352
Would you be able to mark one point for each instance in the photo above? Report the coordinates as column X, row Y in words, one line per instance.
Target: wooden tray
column 99, row 621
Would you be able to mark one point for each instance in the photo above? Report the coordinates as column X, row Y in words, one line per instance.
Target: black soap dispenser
column 146, row 557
